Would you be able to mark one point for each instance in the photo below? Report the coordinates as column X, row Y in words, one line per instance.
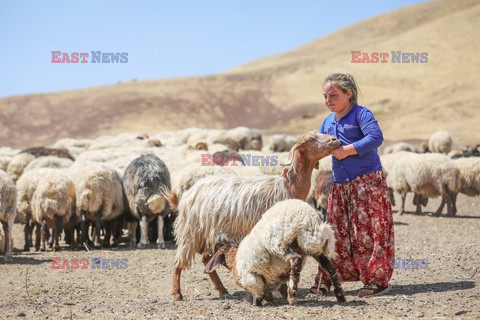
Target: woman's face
column 335, row 100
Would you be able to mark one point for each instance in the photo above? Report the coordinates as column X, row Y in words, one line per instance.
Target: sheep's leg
column 7, row 229
column 50, row 238
column 417, row 201
column 442, row 205
column 84, row 228
column 27, row 231
column 144, row 242
column 295, row 268
column 177, row 295
column 71, row 237
column 43, row 235
column 160, row 238
column 402, row 203
column 32, row 224
column 57, row 230
column 132, row 233
column 37, row 236
column 392, row 196
column 108, row 232
column 98, row 227
column 454, row 202
column 217, row 283
column 329, row 267
column 450, row 207
column 114, row 227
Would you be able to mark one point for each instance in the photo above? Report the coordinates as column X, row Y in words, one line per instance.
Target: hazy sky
column 163, row 39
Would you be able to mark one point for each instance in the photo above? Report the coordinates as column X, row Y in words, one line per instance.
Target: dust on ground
column 447, row 289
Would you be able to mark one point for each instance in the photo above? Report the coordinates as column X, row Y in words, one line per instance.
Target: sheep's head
column 312, row 146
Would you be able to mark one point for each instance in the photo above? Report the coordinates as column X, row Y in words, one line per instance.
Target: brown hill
column 283, row 93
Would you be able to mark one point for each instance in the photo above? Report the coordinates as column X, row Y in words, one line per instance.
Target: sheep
column 400, row 146
column 466, row 152
column 26, row 186
column 8, row 204
column 49, row 162
column 119, row 141
column 440, row 142
column 275, row 251
column 67, row 143
column 231, row 205
column 469, row 169
column 322, row 186
column 17, row 165
column 189, row 175
column 427, row 175
column 248, row 138
column 143, row 181
column 53, row 206
column 4, row 161
column 99, row 199
column 281, row 142
column 43, row 151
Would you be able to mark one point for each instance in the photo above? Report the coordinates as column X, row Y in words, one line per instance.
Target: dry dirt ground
column 448, row 289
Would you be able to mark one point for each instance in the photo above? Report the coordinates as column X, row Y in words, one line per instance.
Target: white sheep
column 99, row 199
column 275, row 251
column 469, row 169
column 440, row 142
column 53, row 206
column 67, row 143
column 4, row 161
column 248, row 138
column 429, row 175
column 48, row 162
column 281, row 142
column 8, row 210
column 17, row 165
column 231, row 205
column 26, row 186
column 400, row 146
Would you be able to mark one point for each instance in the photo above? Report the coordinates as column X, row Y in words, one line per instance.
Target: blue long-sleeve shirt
column 359, row 127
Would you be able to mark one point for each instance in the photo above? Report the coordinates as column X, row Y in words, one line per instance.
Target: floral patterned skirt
column 360, row 213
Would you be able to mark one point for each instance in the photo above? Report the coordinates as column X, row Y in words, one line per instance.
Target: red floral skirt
column 360, row 213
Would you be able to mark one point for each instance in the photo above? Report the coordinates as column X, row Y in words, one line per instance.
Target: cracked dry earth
column 447, row 289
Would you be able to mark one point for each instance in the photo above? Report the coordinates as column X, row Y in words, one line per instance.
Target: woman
column 359, row 207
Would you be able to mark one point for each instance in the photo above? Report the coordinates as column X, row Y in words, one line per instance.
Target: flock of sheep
column 431, row 170
column 90, row 187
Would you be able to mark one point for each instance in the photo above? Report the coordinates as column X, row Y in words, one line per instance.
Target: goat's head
column 313, row 146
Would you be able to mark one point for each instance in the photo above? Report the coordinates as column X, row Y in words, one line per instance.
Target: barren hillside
column 283, row 93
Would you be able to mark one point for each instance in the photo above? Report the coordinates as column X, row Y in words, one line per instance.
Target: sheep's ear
column 217, row 259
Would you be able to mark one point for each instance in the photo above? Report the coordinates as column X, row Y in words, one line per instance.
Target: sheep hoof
column 142, row 245
column 292, row 301
column 223, row 294
column 161, row 245
column 7, row 258
column 177, row 297
column 276, row 294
